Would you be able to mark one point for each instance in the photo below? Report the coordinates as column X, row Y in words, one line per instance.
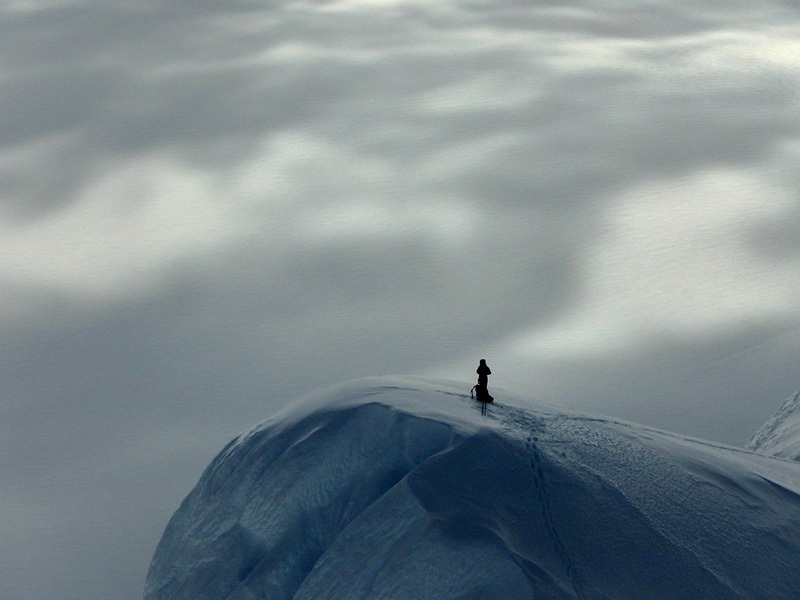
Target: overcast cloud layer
column 208, row 208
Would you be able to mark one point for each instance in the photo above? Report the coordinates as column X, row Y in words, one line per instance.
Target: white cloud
column 139, row 218
column 675, row 261
column 127, row 226
column 442, row 222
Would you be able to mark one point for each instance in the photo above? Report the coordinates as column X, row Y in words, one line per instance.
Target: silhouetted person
column 483, row 374
column 481, row 390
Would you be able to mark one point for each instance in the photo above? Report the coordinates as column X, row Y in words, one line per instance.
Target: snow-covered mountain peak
column 397, row 488
column 443, row 401
column 780, row 436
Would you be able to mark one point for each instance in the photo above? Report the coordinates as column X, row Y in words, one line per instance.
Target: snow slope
column 780, row 436
column 397, row 488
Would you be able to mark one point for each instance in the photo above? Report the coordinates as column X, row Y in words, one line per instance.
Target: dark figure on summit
column 483, row 374
column 481, row 390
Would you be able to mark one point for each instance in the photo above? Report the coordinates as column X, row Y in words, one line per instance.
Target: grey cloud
column 720, row 387
column 778, row 242
column 122, row 107
column 118, row 404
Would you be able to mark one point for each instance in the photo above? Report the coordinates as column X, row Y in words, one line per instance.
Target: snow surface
column 780, row 436
column 397, row 488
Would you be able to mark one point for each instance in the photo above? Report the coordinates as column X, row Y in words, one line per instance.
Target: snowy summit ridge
column 780, row 436
column 397, row 488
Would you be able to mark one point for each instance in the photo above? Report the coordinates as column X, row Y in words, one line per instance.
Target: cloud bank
column 207, row 209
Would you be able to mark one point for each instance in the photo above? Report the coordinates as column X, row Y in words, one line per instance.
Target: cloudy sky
column 208, row 208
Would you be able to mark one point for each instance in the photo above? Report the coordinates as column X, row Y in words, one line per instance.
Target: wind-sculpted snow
column 780, row 436
column 398, row 489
